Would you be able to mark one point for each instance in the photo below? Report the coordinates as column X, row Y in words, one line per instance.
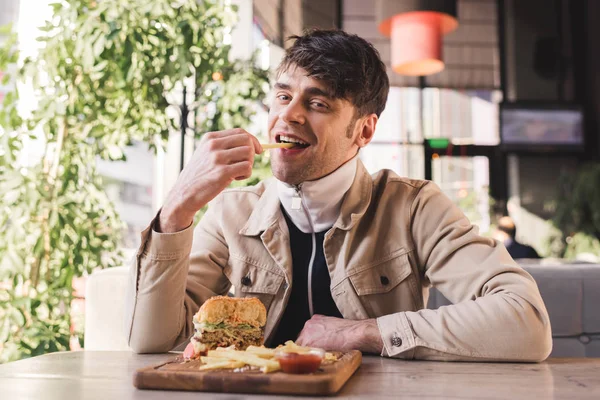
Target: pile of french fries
column 261, row 358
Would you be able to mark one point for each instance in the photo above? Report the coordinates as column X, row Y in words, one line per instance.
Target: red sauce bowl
column 296, row 363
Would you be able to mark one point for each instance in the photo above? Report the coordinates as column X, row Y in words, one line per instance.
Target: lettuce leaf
column 205, row 326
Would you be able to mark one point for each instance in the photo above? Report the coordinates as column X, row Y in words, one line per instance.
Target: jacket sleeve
column 170, row 278
column 497, row 312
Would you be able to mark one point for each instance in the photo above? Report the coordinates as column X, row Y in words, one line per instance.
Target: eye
column 284, row 97
column 319, row 105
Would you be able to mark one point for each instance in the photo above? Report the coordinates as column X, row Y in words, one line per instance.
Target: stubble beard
column 315, row 168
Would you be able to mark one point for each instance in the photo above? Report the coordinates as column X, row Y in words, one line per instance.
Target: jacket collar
column 267, row 211
column 357, row 199
column 322, row 198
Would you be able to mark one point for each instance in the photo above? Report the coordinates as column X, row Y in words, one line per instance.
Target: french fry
column 270, row 368
column 250, row 359
column 241, row 356
column 267, row 146
column 230, row 348
column 261, row 352
column 212, row 360
column 222, row 365
column 254, row 356
column 290, row 346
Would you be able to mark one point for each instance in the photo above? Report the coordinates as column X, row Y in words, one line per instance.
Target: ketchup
column 188, row 353
column 294, row 363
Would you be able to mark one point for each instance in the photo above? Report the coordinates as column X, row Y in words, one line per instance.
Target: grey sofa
column 572, row 296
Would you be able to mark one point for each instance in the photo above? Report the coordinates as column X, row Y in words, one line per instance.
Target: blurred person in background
column 506, row 233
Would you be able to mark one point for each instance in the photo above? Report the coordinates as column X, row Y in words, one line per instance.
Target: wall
column 470, row 52
column 591, row 83
column 321, row 13
column 280, row 19
column 526, row 24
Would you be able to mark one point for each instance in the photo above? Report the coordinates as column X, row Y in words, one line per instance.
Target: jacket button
column 384, row 280
column 285, row 286
column 396, row 341
column 246, row 281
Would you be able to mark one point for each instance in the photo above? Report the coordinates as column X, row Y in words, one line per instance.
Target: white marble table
column 90, row 375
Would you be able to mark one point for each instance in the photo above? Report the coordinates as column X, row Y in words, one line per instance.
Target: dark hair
column 349, row 65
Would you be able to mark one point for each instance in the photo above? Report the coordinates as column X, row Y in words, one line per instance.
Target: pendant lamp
column 416, row 28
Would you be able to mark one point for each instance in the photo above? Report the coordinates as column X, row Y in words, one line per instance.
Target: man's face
column 302, row 110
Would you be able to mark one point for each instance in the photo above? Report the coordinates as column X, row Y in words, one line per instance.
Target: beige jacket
column 395, row 238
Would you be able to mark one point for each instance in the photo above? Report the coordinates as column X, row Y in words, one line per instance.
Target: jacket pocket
column 250, row 280
column 386, row 287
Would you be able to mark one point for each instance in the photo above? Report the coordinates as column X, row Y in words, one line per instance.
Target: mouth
column 298, row 143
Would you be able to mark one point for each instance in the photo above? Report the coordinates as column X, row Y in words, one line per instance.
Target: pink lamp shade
column 416, row 36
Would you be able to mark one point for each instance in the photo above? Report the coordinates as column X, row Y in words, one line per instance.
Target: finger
column 232, row 141
column 235, row 155
column 224, row 133
column 253, row 140
column 304, row 340
column 240, row 170
column 300, row 339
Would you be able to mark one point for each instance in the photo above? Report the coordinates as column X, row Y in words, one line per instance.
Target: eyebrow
column 312, row 90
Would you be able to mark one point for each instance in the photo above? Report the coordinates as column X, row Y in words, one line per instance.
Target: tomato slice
column 189, row 351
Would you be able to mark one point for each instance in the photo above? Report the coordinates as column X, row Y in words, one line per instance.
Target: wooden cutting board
column 175, row 375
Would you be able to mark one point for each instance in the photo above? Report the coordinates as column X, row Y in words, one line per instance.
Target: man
column 506, row 233
column 341, row 259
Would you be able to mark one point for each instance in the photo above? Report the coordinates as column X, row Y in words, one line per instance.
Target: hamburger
column 226, row 321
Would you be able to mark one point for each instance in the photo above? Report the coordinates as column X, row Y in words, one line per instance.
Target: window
column 464, row 117
column 398, row 142
column 465, row 180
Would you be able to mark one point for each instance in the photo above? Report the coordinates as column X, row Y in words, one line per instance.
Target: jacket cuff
column 397, row 335
column 166, row 246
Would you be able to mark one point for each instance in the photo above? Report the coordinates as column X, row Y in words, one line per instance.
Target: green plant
column 102, row 79
column 577, row 213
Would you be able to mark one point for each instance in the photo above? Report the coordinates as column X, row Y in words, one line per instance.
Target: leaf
column 96, row 76
column 56, row 7
column 6, row 29
column 100, row 66
column 154, row 40
column 99, row 46
column 113, row 34
column 88, row 58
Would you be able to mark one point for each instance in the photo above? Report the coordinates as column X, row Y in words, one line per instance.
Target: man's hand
column 221, row 157
column 338, row 334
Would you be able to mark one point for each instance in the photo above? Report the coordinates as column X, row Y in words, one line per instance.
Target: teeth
column 288, row 139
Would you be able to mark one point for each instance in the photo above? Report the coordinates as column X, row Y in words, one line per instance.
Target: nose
column 293, row 113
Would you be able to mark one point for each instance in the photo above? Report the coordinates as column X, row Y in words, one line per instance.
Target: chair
column 571, row 293
column 105, row 310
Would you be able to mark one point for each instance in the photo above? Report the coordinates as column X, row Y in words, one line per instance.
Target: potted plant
column 102, row 80
column 577, row 214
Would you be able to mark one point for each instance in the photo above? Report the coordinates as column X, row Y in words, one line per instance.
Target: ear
column 367, row 130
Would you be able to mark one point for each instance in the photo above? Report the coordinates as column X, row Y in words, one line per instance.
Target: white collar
column 319, row 200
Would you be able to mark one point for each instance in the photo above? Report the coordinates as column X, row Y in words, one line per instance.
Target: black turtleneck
column 297, row 312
